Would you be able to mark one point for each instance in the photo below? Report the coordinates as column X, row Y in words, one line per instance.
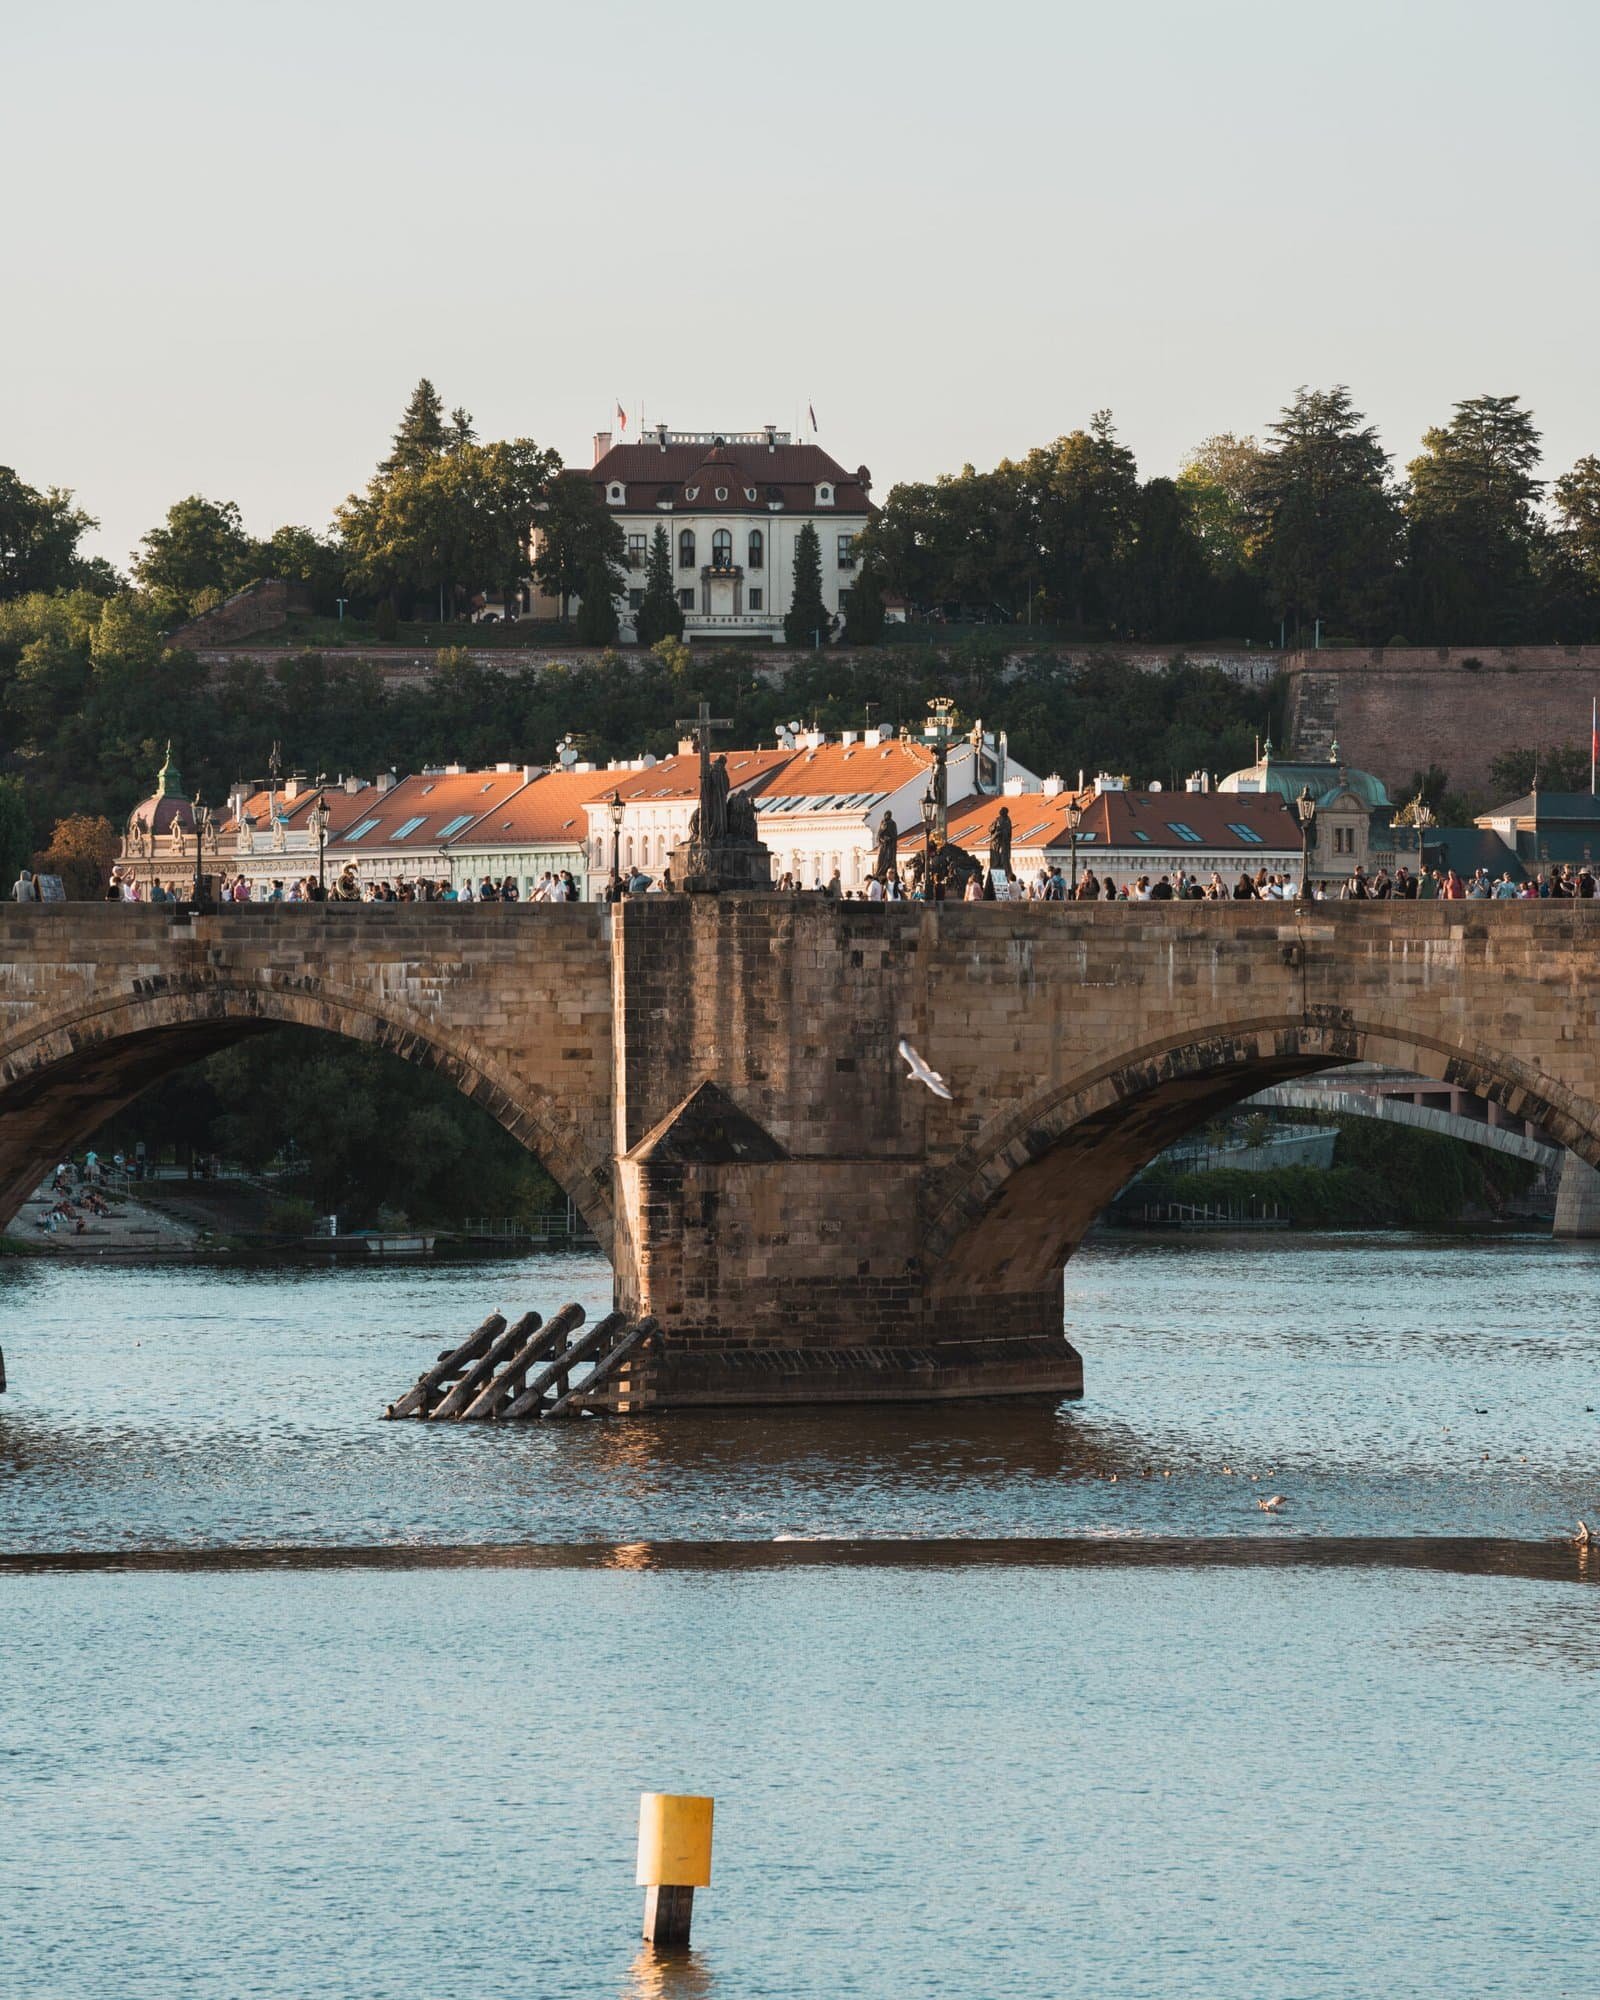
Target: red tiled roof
column 344, row 808
column 788, row 473
column 434, row 799
column 1131, row 823
column 548, row 811
column 840, row 770
column 678, row 777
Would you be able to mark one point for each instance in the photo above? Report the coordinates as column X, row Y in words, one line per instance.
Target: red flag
column 811, row 410
column 622, row 418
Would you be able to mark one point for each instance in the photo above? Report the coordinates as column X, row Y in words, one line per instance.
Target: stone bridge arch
column 76, row 1066
column 1007, row 1212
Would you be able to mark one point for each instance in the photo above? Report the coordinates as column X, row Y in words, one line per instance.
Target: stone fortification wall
column 1396, row 710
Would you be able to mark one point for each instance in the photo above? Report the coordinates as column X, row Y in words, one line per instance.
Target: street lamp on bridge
column 319, row 826
column 202, row 826
column 616, row 808
column 1074, row 821
column 930, row 812
column 1306, row 809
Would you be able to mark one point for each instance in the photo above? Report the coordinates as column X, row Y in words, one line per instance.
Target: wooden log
column 638, row 1335
column 482, row 1370
column 417, row 1401
column 550, row 1339
column 527, row 1404
column 668, row 1917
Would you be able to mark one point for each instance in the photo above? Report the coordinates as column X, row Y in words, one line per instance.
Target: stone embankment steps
column 522, row 1372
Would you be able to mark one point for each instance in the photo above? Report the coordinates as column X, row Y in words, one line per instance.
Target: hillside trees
column 1474, row 526
column 200, row 551
column 40, row 533
column 808, row 621
column 660, row 615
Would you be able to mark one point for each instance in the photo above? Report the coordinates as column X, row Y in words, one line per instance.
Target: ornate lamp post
column 319, row 826
column 1074, row 821
column 202, row 826
column 930, row 812
column 1422, row 818
column 1306, row 808
column 616, row 808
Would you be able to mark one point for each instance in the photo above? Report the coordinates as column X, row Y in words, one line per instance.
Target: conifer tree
column 660, row 616
column 806, row 621
column 422, row 433
column 863, row 611
column 596, row 623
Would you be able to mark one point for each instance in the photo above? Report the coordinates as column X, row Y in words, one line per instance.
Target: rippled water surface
column 367, row 1707
column 1385, row 1386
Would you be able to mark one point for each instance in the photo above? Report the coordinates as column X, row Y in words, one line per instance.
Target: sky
column 237, row 233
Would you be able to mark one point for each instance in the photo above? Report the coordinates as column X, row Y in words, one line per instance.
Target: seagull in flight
column 920, row 1072
column 1271, row 1504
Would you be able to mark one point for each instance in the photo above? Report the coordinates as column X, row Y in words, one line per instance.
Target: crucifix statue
column 711, row 821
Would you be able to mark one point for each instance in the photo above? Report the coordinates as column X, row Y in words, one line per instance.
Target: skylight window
column 365, row 827
column 408, row 827
column 455, row 825
column 1140, row 834
column 1245, row 832
column 1183, row 830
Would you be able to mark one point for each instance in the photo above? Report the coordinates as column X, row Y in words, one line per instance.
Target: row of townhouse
column 820, row 806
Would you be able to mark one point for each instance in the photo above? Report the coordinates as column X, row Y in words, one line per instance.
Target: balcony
column 722, row 569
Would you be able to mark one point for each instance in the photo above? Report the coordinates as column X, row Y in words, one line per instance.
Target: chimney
column 353, row 784
column 686, row 746
column 385, row 781
column 602, row 444
column 530, row 772
column 772, row 436
column 871, row 738
column 847, row 737
column 661, row 436
column 1052, row 788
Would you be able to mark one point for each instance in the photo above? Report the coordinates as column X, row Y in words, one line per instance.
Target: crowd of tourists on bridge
column 1044, row 885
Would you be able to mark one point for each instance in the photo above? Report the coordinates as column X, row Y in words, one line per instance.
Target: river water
column 994, row 1700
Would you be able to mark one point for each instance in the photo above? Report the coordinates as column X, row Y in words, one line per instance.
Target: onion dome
column 166, row 809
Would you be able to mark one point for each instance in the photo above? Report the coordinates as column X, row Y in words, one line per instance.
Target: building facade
column 732, row 504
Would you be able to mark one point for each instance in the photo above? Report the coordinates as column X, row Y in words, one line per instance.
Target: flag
column 811, row 411
column 622, row 418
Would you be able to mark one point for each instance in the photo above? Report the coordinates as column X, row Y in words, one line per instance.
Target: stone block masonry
column 714, row 1080
column 1396, row 710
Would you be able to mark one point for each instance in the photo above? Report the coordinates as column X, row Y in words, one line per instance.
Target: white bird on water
column 920, row 1072
column 1271, row 1504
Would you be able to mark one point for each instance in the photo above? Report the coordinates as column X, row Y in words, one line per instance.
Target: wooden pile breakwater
column 514, row 1374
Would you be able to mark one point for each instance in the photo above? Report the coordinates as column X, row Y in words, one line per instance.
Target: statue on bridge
column 723, row 850
column 1000, row 844
column 888, row 848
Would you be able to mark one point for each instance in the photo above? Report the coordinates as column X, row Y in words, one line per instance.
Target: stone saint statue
column 1000, row 843
column 742, row 817
column 713, row 799
column 888, row 847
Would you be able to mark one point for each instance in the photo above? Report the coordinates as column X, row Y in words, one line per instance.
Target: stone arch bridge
column 713, row 1079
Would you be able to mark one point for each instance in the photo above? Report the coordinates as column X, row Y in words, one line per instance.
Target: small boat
column 396, row 1243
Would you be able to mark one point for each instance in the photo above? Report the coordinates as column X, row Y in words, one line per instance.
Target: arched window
column 758, row 548
column 686, row 549
column 722, row 550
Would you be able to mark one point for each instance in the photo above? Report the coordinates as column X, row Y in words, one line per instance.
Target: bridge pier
column 1577, row 1199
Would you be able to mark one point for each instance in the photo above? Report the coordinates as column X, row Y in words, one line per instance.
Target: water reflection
column 673, row 1975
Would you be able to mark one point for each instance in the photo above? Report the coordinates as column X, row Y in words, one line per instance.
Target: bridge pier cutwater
column 713, row 1080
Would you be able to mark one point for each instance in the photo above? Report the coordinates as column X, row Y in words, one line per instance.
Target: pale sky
column 236, row 233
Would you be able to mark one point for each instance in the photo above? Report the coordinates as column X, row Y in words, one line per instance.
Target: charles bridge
column 713, row 1079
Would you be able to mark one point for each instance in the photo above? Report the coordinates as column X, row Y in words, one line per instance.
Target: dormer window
column 691, row 493
column 749, row 492
column 722, row 492
column 824, row 496
column 614, row 493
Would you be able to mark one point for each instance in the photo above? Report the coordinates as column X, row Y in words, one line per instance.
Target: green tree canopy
column 807, row 621
column 201, row 547
column 660, row 615
column 39, row 537
column 576, row 534
column 1474, row 526
column 1324, row 520
column 422, row 433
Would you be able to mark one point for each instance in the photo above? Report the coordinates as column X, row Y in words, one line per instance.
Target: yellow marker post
column 674, row 1861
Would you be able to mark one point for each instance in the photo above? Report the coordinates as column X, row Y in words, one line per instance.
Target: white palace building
column 733, row 504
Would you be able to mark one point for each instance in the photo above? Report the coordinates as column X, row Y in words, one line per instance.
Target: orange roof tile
column 548, row 811
column 1131, row 822
column 678, row 777
column 440, row 803
column 843, row 770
